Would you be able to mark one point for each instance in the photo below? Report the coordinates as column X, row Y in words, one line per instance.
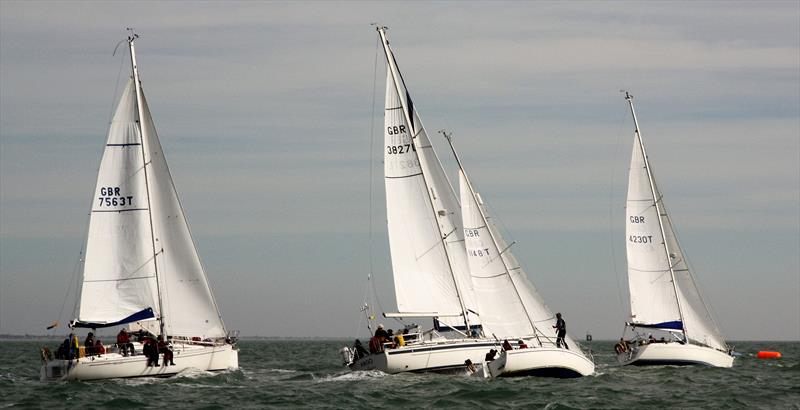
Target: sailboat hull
column 543, row 362
column 443, row 357
column 114, row 365
column 674, row 354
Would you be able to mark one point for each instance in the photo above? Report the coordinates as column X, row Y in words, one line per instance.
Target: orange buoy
column 768, row 355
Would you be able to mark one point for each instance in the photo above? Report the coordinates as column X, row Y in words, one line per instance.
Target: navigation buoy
column 768, row 355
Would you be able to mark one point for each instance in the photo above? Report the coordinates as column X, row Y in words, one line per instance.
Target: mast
column 485, row 220
column 139, row 109
column 659, row 210
column 412, row 125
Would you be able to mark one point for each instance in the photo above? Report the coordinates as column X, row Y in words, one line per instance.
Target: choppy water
column 308, row 374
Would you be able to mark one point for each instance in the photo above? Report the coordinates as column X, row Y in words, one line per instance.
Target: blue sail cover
column 674, row 325
column 141, row 315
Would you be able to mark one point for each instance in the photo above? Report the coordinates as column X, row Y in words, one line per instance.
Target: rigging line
column 69, row 285
column 371, row 151
column 365, row 295
column 611, row 214
column 371, row 279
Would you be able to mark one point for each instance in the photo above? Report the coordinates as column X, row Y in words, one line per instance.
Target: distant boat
column 663, row 293
column 433, row 275
column 141, row 268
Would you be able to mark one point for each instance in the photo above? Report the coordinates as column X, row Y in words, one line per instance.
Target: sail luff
column 659, row 211
column 415, row 129
column 139, row 110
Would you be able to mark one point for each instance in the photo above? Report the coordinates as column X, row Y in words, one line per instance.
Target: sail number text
column 474, row 233
column 400, row 149
column 635, row 219
column 478, row 252
column 110, row 196
column 641, row 238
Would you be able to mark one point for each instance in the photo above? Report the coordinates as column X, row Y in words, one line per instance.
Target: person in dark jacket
column 360, row 350
column 561, row 331
column 151, row 351
column 163, row 347
column 89, row 343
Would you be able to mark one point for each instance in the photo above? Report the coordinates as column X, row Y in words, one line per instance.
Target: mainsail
column 428, row 259
column 119, row 277
column 663, row 292
column 140, row 258
column 509, row 304
column 502, row 312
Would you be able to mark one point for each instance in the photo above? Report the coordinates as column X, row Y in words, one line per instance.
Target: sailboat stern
column 674, row 354
column 541, row 362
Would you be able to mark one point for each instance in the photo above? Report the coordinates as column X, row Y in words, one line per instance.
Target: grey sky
column 264, row 111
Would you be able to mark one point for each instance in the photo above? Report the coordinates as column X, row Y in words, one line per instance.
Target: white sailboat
column 663, row 294
column 509, row 305
column 141, row 268
column 431, row 276
column 436, row 275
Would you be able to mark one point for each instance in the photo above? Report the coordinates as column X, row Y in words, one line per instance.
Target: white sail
column 140, row 253
column 509, row 303
column 663, row 292
column 502, row 311
column 699, row 324
column 189, row 308
column 652, row 293
column 425, row 273
column 119, row 277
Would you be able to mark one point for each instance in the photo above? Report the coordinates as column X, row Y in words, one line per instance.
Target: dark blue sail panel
column 674, row 325
column 141, row 315
column 439, row 327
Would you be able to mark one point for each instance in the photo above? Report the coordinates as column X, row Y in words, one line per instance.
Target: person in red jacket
column 124, row 342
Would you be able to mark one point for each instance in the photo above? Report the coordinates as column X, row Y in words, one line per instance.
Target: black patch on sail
column 410, row 114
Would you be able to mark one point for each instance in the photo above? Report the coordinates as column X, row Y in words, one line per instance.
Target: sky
column 270, row 117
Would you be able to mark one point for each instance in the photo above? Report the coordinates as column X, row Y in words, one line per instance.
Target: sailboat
column 429, row 265
column 664, row 296
column 509, row 305
column 437, row 276
column 141, row 269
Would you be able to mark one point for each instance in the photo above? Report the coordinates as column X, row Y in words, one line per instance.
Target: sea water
column 309, row 374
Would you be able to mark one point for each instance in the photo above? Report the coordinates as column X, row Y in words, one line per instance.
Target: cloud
column 265, row 113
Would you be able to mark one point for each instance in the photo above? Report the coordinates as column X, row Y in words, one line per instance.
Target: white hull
column 674, row 354
column 541, row 361
column 439, row 356
column 114, row 365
